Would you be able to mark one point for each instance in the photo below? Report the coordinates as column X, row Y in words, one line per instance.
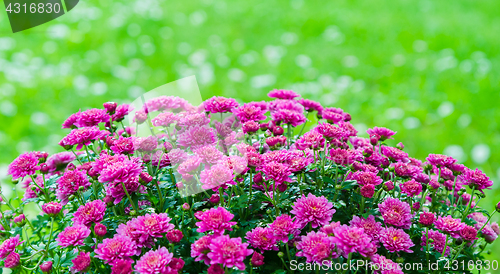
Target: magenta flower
column 427, row 219
column 289, row 117
column 371, row 227
column 411, row 188
column 333, row 115
column 396, row 213
column 165, row 119
column 121, row 267
column 12, row 260
column 438, row 241
column 477, row 179
column 276, row 141
column 316, row 247
column 73, row 235
column 277, row 172
column 248, row 112
column 82, row 136
column 92, row 117
column 283, row 227
column 395, row 154
column 174, row 236
column 121, row 111
column 46, row 267
column 386, row 266
column 395, row 240
column 215, row 176
column 200, row 248
column 282, row 94
column 51, row 208
column 120, row 171
column 115, row 189
column 331, row 132
column 9, row 246
column 208, row 154
column 92, row 212
column 69, row 184
column 383, row 132
column 310, row 105
column 100, row 230
column 311, row 139
column 468, row 233
column 196, row 137
column 450, row 226
column 153, row 225
column 439, row 160
column 329, row 229
column 118, row 247
column 311, row 209
column 350, row 239
column 24, row 165
column 229, row 252
column 367, row 191
column 407, row 170
column 82, row 262
column 220, row 104
column 72, row 120
column 366, row 178
column 123, row 145
column 154, row 261
column 262, row 238
column 344, row 156
column 59, row 160
column 215, row 219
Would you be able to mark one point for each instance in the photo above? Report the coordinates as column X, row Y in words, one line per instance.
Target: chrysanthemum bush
column 239, row 188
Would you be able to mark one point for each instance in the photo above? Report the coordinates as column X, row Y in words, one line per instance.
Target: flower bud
column 110, row 107
column 44, row 168
column 277, row 130
column 12, row 260
column 71, row 166
column 100, row 230
column 338, row 187
column 145, row 177
column 427, row 219
column 108, row 200
column 20, row 220
column 52, row 208
column 81, row 188
column 498, row 207
column 186, row 206
column 374, row 139
column 174, row 236
column 46, row 267
column 416, row 206
column 257, row 259
column 400, row 260
column 281, row 254
column 133, row 213
column 400, row 146
column 215, row 199
column 388, row 186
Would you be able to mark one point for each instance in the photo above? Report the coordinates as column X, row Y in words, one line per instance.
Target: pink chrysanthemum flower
column 282, row 94
column 82, row 136
column 249, row 112
column 92, row 117
column 115, row 189
column 316, row 247
column 215, row 219
column 32, row 190
column 276, row 141
column 311, row 139
column 365, row 178
column 121, row 111
column 153, row 225
column 120, row 171
column 276, row 171
column 229, row 252
column 371, row 227
column 145, row 144
column 468, row 233
column 438, row 241
column 395, row 240
column 197, row 137
column 330, row 131
column 216, row 176
column 121, row 267
column 280, row 104
column 283, row 227
column 262, row 238
column 24, row 165
column 288, row 117
column 384, row 265
column 350, row 239
column 170, row 103
column 106, row 160
column 59, row 160
column 177, row 155
column 193, row 120
column 73, row 235
column 154, row 261
column 450, row 226
column 383, row 132
column 165, row 119
column 427, row 219
column 311, row 209
column 310, row 105
column 333, row 115
column 69, row 184
column 395, row 154
column 200, row 248
column 12, row 260
column 92, row 212
column 209, row 154
column 440, row 160
column 72, row 120
column 477, row 179
column 412, row 188
column 220, row 104
column 81, row 263
column 9, row 246
column 344, row 156
column 396, row 213
column 124, row 145
column 51, row 208
column 118, row 247
column 187, row 167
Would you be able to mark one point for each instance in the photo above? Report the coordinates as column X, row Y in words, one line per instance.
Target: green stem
column 445, row 246
column 459, row 250
column 128, row 196
column 160, row 194
column 468, row 206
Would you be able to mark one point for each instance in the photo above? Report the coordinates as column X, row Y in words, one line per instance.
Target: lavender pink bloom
column 9, row 246
column 316, row 247
column 73, row 235
column 12, row 260
column 262, row 238
column 383, row 132
column 283, row 227
column 82, row 136
column 215, row 219
column 311, row 139
column 440, row 160
column 229, row 252
column 396, row 240
column 118, row 247
column 69, row 184
column 216, row 176
column 282, row 94
column 25, row 164
column 92, row 117
column 248, row 112
column 200, row 248
column 311, row 209
column 81, row 263
column 154, row 261
column 477, row 179
column 310, row 105
column 220, row 104
column 449, row 225
column 385, row 266
column 92, row 212
column 196, row 137
column 396, row 213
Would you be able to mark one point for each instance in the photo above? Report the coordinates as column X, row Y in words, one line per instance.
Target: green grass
column 427, row 69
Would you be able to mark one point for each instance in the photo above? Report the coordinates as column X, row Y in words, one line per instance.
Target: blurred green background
column 427, row 69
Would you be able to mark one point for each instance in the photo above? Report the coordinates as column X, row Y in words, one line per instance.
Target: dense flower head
column 25, row 164
column 153, row 225
column 73, row 235
column 344, row 156
column 9, row 246
column 395, row 240
column 277, row 171
column 200, row 248
column 92, row 117
column 383, row 132
column 69, row 184
column 289, row 117
column 407, row 170
column 367, row 191
column 92, row 212
column 118, row 247
column 82, row 262
column 311, row 139
column 396, row 213
column 384, row 265
column 284, row 226
column 82, row 136
column 282, row 94
column 215, row 219
column 195, row 137
column 124, row 145
column 468, row 233
column 115, row 189
column 412, row 188
column 449, row 225
column 208, row 154
column 370, row 226
column 220, row 104
column 215, row 176
column 121, row 111
column 349, row 239
column 12, row 260
column 174, row 236
column 46, row 266
column 427, row 218
column 438, row 241
column 395, row 154
column 366, row 178
column 164, row 119
column 477, row 179
column 248, row 112
column 191, row 119
column 262, row 238
column 311, row 209
column 51, row 208
column 285, row 104
column 316, row 247
column 229, row 252
column 310, row 105
column 120, row 171
column 154, row 261
column 330, row 131
column 72, row 120
column 440, row 160
column 59, row 160
column 121, row 266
